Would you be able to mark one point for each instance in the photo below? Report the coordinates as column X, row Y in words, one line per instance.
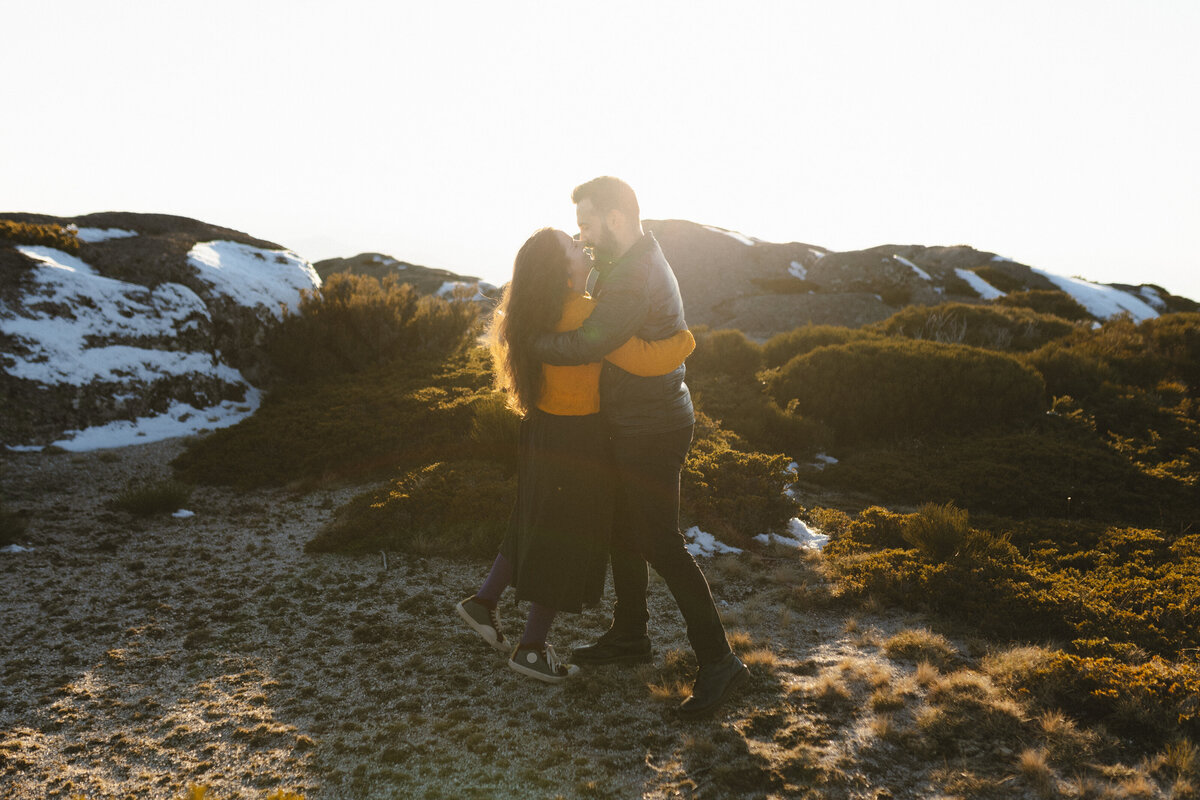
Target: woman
column 555, row 551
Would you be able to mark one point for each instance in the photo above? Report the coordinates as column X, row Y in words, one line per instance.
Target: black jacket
column 636, row 295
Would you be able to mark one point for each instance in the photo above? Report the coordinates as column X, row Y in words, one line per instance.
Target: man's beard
column 605, row 246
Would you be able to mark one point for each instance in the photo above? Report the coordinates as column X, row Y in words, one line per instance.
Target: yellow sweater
column 575, row 391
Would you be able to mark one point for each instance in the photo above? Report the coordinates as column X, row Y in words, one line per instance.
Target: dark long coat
column 559, row 531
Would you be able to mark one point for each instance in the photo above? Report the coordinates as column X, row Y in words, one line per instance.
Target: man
column 651, row 422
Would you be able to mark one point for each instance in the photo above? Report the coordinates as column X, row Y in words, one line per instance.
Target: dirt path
column 141, row 657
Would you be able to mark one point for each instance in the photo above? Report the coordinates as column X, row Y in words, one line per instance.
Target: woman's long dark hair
column 531, row 305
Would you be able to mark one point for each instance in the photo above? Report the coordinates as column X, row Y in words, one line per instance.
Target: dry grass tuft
column 762, row 658
column 887, row 698
column 1138, row 786
column 1182, row 758
column 740, row 641
column 1008, row 667
column 920, row 644
column 926, row 674
column 1183, row 789
column 1037, row 772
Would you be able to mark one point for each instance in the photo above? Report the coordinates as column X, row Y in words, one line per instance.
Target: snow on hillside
column 252, row 276
column 922, row 274
column 113, row 332
column 181, row 419
column 59, row 349
column 981, row 287
column 92, row 235
column 1101, row 301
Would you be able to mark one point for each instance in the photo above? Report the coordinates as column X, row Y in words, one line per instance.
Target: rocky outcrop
column 145, row 320
column 729, row 280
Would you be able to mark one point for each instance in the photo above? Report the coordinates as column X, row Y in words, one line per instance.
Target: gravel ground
column 141, row 657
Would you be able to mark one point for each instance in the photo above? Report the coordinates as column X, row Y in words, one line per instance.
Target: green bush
column 360, row 425
column 1144, row 355
column 939, row 531
column 734, row 495
column 991, row 327
column 1156, row 699
column 356, row 322
column 455, row 509
column 1055, row 303
column 144, row 499
column 783, row 347
column 1057, row 469
column 725, row 352
column 495, row 429
column 889, row 388
column 31, row 234
column 1069, row 372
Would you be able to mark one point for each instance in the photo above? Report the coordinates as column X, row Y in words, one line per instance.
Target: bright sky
column 1060, row 133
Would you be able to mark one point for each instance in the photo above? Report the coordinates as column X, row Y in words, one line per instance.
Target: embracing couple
column 596, row 371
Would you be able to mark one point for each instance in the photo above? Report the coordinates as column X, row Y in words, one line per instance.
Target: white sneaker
column 541, row 664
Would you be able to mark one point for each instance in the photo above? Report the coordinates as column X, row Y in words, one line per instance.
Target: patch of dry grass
column 921, row 644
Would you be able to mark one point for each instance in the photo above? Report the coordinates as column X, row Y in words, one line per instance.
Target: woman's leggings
column 540, row 618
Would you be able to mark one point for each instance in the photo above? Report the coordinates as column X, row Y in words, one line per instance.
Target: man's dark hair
column 608, row 193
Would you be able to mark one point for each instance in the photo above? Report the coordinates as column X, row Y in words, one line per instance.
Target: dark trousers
column 646, row 530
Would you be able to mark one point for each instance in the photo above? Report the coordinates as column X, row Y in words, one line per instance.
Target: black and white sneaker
column 541, row 664
column 484, row 621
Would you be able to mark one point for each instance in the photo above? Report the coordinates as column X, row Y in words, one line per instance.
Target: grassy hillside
column 1026, row 479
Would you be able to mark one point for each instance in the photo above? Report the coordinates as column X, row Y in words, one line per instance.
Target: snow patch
column 922, row 274
column 183, row 513
column 801, row 537
column 252, row 276
column 101, row 308
column 1002, row 258
column 93, row 235
column 180, row 419
column 1153, row 297
column 705, row 544
column 817, row 253
column 15, row 548
column 1100, row 300
column 741, row 237
column 798, row 270
column 823, row 461
column 982, row 287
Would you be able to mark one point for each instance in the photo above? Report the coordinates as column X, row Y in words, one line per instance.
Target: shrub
column 400, row 415
column 1156, row 698
column 920, row 644
column 783, row 347
column 32, row 234
column 1020, row 474
column 1068, row 371
column 992, row 327
column 355, row 322
column 887, row 388
column 726, row 352
column 445, row 508
column 938, row 531
column 734, row 495
column 1055, row 303
column 742, row 406
column 146, row 499
column 495, row 429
